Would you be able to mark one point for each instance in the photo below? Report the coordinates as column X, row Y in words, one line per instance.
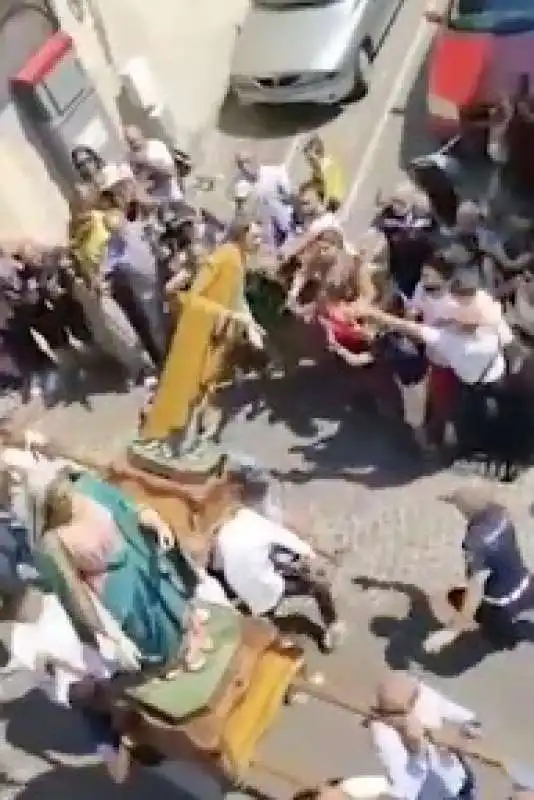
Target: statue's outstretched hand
column 164, row 535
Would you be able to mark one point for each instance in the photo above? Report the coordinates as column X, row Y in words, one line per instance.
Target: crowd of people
column 441, row 308
column 438, row 305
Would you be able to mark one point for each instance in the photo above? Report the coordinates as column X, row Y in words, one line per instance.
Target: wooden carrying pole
column 470, row 748
column 473, row 749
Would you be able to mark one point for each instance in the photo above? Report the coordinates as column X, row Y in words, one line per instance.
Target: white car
column 308, row 51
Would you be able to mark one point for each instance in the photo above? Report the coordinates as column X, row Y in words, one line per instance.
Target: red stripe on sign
column 44, row 60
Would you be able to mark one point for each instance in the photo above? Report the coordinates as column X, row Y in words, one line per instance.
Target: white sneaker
column 333, row 636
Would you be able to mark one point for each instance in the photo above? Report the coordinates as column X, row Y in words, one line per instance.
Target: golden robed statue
column 209, row 314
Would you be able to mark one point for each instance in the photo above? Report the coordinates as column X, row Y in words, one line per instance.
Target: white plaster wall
column 31, row 205
column 188, row 44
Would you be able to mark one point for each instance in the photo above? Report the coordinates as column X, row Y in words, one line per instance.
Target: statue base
column 196, row 466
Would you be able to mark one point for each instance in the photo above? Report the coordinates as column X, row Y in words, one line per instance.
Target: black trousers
column 495, row 421
column 501, row 625
column 310, row 586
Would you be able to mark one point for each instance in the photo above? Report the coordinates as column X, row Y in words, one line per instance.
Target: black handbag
column 406, row 358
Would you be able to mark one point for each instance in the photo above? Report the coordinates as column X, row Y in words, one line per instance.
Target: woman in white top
column 406, row 717
column 472, row 344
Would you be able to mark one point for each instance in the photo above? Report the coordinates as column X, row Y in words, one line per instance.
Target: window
column 64, row 85
column 492, row 16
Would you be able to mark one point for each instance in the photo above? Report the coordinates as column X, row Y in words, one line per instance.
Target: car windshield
column 492, row 16
column 294, row 3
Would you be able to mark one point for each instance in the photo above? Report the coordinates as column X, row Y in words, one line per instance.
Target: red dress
column 347, row 335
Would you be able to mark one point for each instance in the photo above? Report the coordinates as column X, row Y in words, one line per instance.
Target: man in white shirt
column 151, row 160
column 270, row 192
column 407, row 716
column 261, row 560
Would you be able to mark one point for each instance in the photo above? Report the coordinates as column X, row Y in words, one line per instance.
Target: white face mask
column 463, row 300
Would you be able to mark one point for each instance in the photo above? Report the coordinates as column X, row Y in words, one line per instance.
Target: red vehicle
column 480, row 51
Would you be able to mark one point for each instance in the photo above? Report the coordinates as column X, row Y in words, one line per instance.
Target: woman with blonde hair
column 326, row 260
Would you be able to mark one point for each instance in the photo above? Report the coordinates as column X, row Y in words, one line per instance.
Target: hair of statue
column 58, row 507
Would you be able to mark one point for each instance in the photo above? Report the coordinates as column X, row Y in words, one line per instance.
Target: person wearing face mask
column 406, row 221
column 406, row 717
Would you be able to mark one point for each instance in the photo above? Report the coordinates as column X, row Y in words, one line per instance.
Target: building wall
column 32, row 202
column 187, row 44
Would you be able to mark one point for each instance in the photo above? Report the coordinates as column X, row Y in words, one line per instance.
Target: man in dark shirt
column 408, row 233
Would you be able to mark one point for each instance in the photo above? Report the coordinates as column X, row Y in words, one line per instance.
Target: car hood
column 469, row 68
column 295, row 39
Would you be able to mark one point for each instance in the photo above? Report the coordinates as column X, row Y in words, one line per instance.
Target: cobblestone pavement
column 346, row 477
column 351, row 480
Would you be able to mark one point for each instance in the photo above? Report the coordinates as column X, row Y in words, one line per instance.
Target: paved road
column 342, row 473
column 372, row 139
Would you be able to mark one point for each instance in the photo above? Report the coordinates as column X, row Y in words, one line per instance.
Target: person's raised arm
column 366, row 288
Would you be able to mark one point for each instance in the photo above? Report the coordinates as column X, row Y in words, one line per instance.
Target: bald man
column 406, row 713
column 360, row 787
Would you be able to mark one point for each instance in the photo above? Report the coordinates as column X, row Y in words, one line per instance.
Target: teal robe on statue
column 144, row 592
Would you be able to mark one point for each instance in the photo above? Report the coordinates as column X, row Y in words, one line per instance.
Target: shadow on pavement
column 272, row 122
column 51, row 733
column 59, row 729
column 87, row 783
column 404, row 635
column 340, row 433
